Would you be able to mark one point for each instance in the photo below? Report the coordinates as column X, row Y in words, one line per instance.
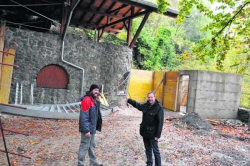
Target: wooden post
column 139, row 29
column 130, row 25
column 2, row 34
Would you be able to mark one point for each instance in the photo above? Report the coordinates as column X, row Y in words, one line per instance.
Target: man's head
column 94, row 90
column 151, row 97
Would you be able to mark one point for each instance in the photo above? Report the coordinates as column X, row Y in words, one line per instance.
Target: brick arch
column 52, row 76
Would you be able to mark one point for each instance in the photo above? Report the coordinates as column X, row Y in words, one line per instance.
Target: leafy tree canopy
column 229, row 26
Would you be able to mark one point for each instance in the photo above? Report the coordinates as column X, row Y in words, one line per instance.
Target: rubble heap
column 194, row 121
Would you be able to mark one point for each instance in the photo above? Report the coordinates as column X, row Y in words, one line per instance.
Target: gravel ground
column 56, row 142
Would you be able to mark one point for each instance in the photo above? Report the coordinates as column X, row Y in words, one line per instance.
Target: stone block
column 210, row 76
column 192, row 93
column 217, row 113
column 192, row 85
column 233, row 78
column 216, row 104
column 190, row 109
column 209, row 85
column 191, row 102
column 232, row 87
column 243, row 115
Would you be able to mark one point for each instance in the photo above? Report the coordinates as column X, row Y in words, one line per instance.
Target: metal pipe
column 9, row 65
column 21, row 94
column 17, row 154
column 51, row 4
column 62, row 52
column 16, row 96
column 35, row 12
column 70, row 15
column 16, row 132
column 31, row 94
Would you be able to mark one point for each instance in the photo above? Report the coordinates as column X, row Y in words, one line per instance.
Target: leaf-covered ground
column 56, row 142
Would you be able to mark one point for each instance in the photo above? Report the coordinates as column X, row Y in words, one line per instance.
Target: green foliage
column 85, row 33
column 161, row 53
column 245, row 94
column 228, row 46
column 162, row 6
column 229, row 26
column 155, row 47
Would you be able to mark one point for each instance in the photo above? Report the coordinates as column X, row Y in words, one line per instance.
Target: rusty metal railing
column 5, row 145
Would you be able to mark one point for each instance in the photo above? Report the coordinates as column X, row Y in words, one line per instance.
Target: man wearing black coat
column 151, row 126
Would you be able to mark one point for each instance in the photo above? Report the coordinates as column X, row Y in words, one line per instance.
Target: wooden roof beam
column 94, row 26
column 125, row 18
column 111, row 6
column 74, row 12
column 148, row 6
column 139, row 29
column 119, row 8
column 99, row 7
column 102, row 13
column 130, row 24
column 100, row 32
column 82, row 16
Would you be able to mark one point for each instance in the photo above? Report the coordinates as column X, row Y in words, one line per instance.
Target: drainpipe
column 62, row 52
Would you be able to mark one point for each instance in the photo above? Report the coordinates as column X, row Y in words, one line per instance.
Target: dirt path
column 55, row 142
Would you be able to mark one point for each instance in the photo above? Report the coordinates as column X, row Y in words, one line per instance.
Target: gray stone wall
column 103, row 63
column 213, row 94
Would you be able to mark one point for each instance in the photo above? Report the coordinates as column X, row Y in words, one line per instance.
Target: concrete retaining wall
column 213, row 94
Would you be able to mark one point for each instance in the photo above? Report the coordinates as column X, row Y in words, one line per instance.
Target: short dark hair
column 151, row 93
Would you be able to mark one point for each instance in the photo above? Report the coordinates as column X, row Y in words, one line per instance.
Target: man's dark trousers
column 152, row 144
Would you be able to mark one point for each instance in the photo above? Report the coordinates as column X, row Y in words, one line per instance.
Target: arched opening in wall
column 52, row 76
column 123, row 84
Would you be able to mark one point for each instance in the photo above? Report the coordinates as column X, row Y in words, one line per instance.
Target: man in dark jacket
column 151, row 126
column 90, row 120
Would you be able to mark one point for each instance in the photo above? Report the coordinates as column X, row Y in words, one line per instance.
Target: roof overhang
column 106, row 16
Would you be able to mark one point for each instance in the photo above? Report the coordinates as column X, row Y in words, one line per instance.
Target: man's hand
column 157, row 138
column 127, row 97
column 87, row 135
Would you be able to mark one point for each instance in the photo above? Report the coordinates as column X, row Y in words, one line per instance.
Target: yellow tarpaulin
column 142, row 81
column 140, row 84
column 6, row 76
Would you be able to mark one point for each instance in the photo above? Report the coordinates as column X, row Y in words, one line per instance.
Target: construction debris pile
column 231, row 122
column 193, row 121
